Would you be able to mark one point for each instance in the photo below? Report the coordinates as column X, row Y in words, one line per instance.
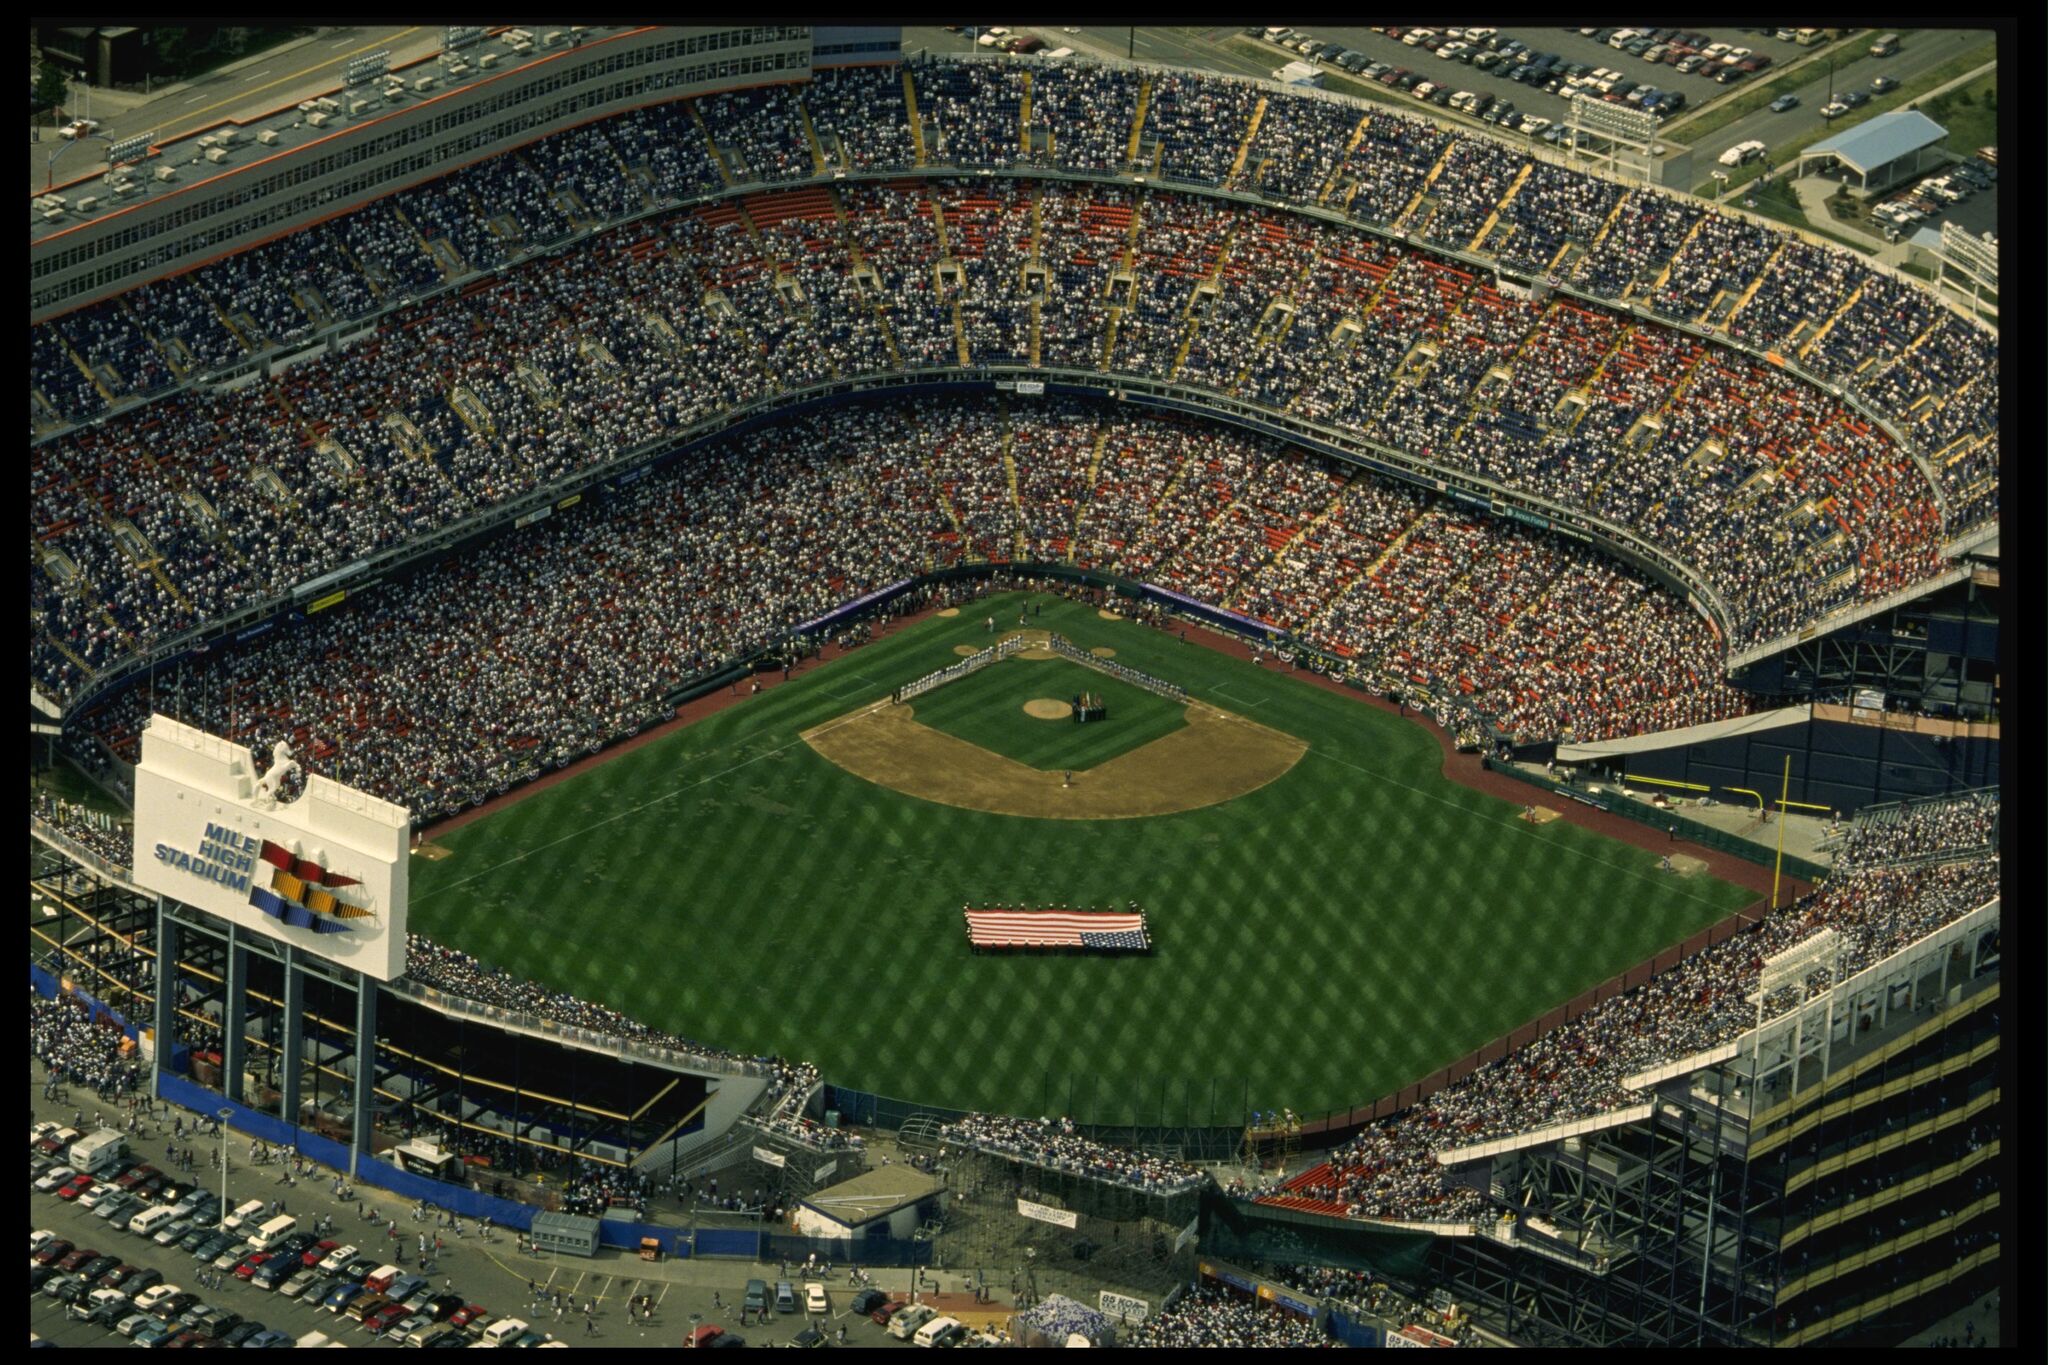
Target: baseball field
column 1331, row 917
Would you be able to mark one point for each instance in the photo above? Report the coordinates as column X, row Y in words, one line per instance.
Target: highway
column 271, row 80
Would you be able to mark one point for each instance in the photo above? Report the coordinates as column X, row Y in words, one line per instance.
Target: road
column 271, row 80
column 1928, row 50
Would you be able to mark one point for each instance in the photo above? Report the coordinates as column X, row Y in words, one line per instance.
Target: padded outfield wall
column 1840, row 760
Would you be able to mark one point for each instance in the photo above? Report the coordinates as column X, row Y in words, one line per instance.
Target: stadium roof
column 1687, row 734
column 1881, row 141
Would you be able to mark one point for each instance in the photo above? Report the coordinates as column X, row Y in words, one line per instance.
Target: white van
column 503, row 1332
column 933, row 1330
column 273, row 1232
column 244, row 1213
column 909, row 1318
column 146, row 1223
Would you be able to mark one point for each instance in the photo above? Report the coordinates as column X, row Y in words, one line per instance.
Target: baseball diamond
column 1314, row 865
column 1241, row 679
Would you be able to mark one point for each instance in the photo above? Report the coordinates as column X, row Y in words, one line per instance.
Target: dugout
column 572, row 1233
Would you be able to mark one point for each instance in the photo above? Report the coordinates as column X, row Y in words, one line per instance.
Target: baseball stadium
column 1037, row 690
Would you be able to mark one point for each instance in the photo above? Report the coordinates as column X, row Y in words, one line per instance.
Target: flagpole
column 1784, row 791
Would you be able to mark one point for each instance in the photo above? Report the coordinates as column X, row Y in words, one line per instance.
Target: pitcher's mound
column 948, row 611
column 1045, row 708
column 965, row 651
column 1542, row 815
column 1109, row 616
column 1103, row 652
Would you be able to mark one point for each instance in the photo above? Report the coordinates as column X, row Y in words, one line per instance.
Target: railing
column 613, row 1044
column 120, row 876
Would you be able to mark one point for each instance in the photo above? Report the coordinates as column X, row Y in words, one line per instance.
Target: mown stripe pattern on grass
column 1322, row 941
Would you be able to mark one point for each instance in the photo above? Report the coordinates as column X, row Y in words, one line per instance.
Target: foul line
column 654, row 801
column 1223, row 690
column 1515, row 824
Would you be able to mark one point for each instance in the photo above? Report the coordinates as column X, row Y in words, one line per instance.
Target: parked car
column 242, row 1332
column 1834, row 110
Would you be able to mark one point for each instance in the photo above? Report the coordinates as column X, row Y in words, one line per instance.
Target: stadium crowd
column 1056, row 1143
column 169, row 511
column 1887, row 835
column 1787, row 500
column 94, row 831
column 1204, row 1318
column 1390, row 1172
column 81, row 1046
column 458, row 973
column 535, row 650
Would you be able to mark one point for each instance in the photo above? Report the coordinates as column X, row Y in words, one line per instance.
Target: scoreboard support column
column 234, row 1011
column 363, row 1094
column 169, row 945
column 291, row 1044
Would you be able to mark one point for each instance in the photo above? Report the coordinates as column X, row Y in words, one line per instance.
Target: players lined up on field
column 539, row 648
column 1789, row 503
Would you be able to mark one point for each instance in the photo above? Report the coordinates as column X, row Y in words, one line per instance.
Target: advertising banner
column 1045, row 1213
column 1123, row 1306
column 768, row 1158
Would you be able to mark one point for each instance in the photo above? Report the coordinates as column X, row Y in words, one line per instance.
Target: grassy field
column 1319, row 942
column 987, row 708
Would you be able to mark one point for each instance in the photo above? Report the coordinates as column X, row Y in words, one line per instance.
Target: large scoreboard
column 326, row 872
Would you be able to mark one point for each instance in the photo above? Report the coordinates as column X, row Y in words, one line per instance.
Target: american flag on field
column 1113, row 930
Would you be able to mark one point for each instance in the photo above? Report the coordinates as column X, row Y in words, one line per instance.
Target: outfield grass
column 1320, row 942
column 987, row 708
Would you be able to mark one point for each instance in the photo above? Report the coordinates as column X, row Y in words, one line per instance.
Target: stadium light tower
column 223, row 1114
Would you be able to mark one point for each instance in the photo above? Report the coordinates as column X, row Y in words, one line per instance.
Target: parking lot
column 495, row 1276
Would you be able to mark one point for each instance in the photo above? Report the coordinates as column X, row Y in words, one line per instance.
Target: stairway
column 916, row 122
column 1138, row 121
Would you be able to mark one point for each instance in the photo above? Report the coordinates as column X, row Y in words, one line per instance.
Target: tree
column 52, row 83
column 173, row 48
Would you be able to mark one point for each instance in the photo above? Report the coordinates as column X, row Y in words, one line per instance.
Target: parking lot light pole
column 220, row 1222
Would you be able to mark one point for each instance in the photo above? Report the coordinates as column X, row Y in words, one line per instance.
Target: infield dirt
column 1216, row 757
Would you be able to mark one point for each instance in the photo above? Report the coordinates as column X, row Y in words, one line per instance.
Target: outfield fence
column 1667, row 820
column 974, row 663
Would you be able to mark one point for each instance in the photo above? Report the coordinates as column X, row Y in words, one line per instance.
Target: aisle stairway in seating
column 916, row 120
column 1138, row 121
column 1321, row 1173
column 717, row 156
